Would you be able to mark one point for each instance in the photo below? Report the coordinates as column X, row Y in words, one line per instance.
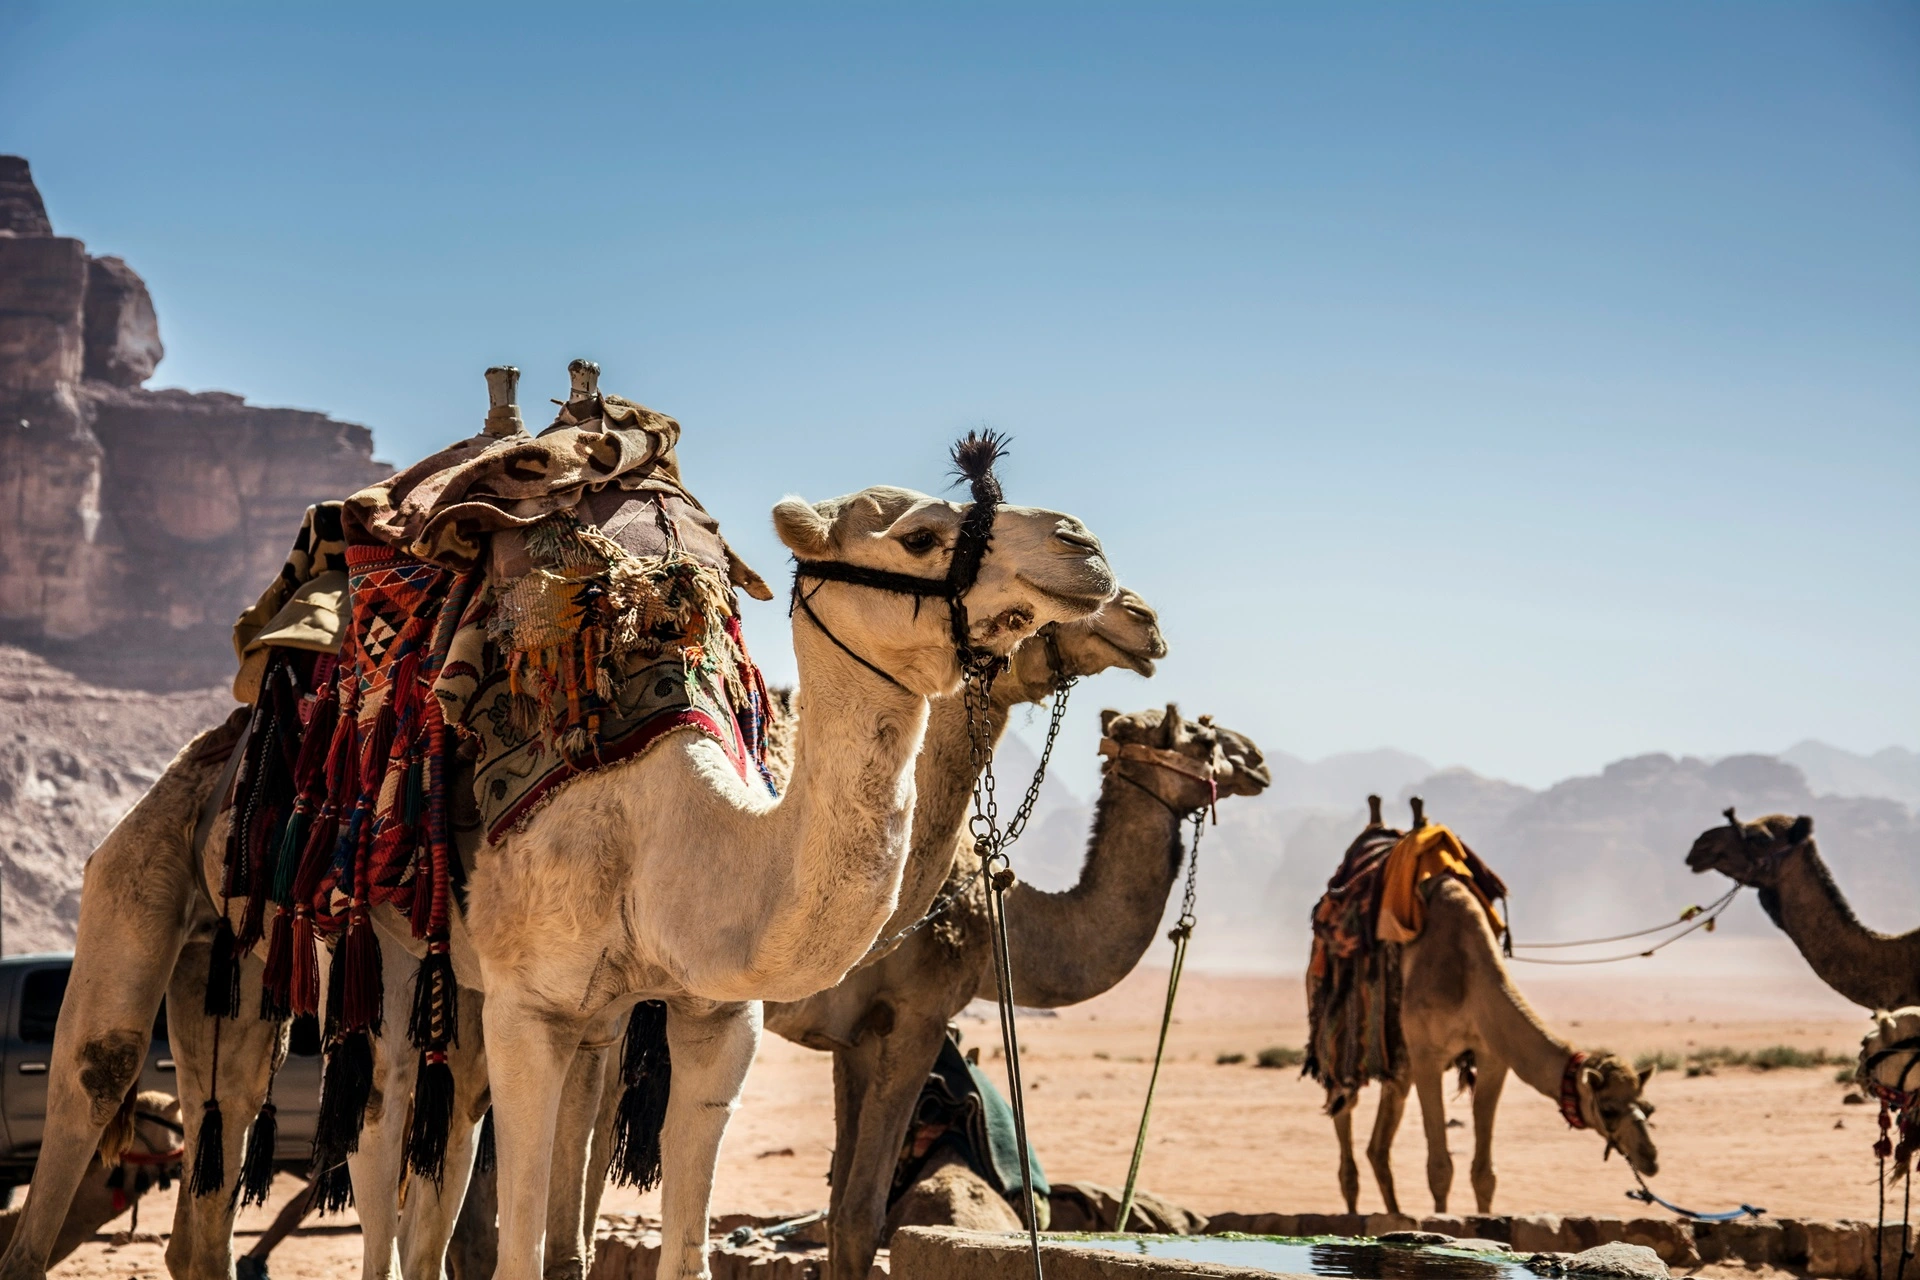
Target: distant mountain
column 1587, row 856
column 1892, row 773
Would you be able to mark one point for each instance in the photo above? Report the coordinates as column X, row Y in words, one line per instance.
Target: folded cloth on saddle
column 1416, row 858
column 960, row 1108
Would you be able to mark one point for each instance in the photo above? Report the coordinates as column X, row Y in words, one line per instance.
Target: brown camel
column 139, row 1149
column 884, row 1023
column 1777, row 856
column 1457, row 998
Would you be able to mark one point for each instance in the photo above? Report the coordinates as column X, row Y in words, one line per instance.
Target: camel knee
column 109, row 1065
column 18, row 1265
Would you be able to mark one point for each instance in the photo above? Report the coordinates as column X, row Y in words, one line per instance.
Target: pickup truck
column 31, row 990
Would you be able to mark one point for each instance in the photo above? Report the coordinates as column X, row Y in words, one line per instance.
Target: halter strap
column 800, row 599
column 860, row 575
column 1172, row 762
column 1570, row 1092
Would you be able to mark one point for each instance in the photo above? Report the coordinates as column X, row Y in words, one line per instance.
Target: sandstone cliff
column 134, row 524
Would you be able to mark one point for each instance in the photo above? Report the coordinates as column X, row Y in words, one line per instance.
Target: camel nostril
column 1077, row 538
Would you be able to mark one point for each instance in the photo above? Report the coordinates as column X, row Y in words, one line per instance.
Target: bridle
column 973, row 457
column 1173, row 762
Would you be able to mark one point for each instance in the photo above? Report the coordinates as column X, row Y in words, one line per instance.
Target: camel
column 146, row 1137
column 1124, row 633
column 767, row 934
column 1457, row 998
column 1777, row 856
column 884, row 1022
column 667, row 877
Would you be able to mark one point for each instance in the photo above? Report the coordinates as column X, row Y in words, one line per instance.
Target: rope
column 1703, row 920
column 1685, row 916
column 1179, row 935
column 1645, row 1195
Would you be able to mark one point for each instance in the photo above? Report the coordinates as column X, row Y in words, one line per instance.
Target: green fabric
column 982, row 1123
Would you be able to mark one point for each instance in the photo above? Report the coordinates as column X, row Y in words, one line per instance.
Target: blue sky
column 1523, row 386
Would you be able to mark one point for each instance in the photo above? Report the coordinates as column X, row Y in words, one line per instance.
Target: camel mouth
column 1077, row 602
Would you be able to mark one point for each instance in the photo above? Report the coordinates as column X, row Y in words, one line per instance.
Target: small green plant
column 1846, row 1075
column 1660, row 1059
column 1229, row 1059
column 1280, row 1055
column 1768, row 1058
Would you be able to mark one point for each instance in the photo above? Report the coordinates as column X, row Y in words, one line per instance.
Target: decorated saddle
column 443, row 653
column 1374, row 903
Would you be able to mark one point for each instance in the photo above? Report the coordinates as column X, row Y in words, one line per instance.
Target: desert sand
column 1238, row 1137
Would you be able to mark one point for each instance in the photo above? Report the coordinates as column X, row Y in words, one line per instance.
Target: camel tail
column 1468, row 1071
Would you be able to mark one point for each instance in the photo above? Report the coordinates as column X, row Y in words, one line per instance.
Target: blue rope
column 1645, row 1195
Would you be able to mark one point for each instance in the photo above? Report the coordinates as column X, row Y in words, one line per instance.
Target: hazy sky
column 1524, row 386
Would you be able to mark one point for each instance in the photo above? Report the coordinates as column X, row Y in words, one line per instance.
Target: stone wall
column 134, row 524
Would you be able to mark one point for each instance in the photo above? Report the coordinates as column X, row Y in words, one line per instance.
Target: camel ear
column 1646, row 1074
column 802, row 527
column 1801, row 829
column 1170, row 724
column 1107, row 718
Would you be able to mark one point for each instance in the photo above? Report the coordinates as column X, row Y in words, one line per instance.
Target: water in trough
column 1346, row 1259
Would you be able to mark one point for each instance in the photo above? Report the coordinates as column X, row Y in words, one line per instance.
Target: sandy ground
column 1243, row 1138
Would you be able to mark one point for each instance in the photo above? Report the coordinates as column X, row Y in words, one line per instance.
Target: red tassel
column 276, row 982
column 361, row 1000
column 306, row 964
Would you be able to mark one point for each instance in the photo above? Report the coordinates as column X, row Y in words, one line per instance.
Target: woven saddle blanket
column 508, row 615
column 1374, row 904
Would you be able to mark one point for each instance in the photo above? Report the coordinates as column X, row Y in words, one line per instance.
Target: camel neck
column 845, row 820
column 1071, row 946
column 944, row 776
column 1876, row 970
column 1506, row 1021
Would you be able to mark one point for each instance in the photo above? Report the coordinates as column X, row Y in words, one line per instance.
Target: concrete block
column 1837, row 1250
column 1378, row 1224
column 1538, row 1233
column 1490, row 1228
column 1446, row 1224
column 1591, row 1233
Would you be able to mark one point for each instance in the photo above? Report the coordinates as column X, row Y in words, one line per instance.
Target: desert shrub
column 1663, row 1059
column 1229, row 1059
column 1280, row 1055
column 1763, row 1059
column 1847, row 1074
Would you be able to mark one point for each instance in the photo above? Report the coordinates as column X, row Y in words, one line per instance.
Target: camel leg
column 429, row 1223
column 1486, row 1099
column 569, row 1230
column 202, row 1243
column 1349, row 1167
column 475, row 1248
column 133, row 922
column 529, row 1050
column 381, row 1156
column 600, row 1151
column 1386, row 1123
column 1433, row 1115
column 884, row 1077
column 712, row 1046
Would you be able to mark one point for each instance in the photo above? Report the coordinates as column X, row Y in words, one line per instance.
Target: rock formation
column 134, row 524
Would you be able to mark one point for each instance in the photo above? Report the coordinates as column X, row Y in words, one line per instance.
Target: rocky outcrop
column 73, row 759
column 134, row 524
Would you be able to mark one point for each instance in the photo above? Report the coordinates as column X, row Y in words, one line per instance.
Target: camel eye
column 920, row 541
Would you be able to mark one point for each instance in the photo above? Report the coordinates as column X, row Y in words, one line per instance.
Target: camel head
column 1749, row 852
column 1041, row 567
column 1612, row 1102
column 1125, row 633
column 1238, row 768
